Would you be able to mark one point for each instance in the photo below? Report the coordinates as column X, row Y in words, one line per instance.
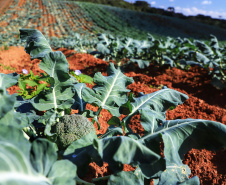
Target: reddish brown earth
column 205, row 102
column 21, row 2
column 4, row 4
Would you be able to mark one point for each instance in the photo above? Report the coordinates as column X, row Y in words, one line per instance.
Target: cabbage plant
column 30, row 155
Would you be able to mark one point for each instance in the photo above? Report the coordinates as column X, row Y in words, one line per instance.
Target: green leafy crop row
column 31, row 150
column 181, row 53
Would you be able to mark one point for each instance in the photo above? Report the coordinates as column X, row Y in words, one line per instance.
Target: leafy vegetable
column 178, row 52
column 59, row 96
column 70, row 128
column 32, row 146
column 21, row 162
column 36, row 84
column 107, row 89
column 82, row 78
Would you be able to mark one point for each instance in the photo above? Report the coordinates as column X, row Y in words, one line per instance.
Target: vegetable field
column 56, row 18
column 91, row 95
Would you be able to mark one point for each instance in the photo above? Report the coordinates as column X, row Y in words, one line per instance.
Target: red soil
column 21, row 2
column 205, row 102
column 4, row 4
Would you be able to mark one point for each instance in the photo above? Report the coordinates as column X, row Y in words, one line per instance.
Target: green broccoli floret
column 70, row 128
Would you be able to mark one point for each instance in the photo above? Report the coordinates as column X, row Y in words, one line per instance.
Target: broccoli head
column 70, row 128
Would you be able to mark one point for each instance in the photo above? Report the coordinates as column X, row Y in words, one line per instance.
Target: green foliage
column 70, row 128
column 108, row 22
column 117, row 3
column 32, row 146
column 6, row 47
column 82, row 78
column 31, row 85
column 180, row 53
column 145, row 7
column 24, row 162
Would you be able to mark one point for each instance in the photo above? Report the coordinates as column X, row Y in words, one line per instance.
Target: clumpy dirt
column 205, row 102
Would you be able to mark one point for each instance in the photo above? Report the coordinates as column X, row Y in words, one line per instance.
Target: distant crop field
column 65, row 19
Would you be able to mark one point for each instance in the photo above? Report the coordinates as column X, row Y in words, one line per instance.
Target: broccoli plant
column 70, row 128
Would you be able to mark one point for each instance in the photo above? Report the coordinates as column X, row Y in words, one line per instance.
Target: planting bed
column 205, row 102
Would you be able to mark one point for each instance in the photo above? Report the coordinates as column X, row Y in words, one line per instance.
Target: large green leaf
column 103, row 49
column 60, row 94
column 110, row 92
column 7, row 103
column 214, row 43
column 201, row 58
column 112, row 131
column 8, row 80
column 153, row 107
column 141, row 63
column 125, row 151
column 8, row 116
column 103, row 38
column 127, row 45
column 103, row 44
column 204, row 48
column 80, row 151
column 180, row 136
column 36, row 44
column 141, row 45
column 125, row 178
column 25, row 163
column 63, row 172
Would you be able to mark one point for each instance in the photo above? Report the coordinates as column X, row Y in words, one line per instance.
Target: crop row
column 180, row 53
column 159, row 25
column 111, row 23
column 54, row 19
column 61, row 19
column 66, row 18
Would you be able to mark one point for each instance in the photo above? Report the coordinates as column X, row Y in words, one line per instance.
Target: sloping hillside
column 65, row 19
